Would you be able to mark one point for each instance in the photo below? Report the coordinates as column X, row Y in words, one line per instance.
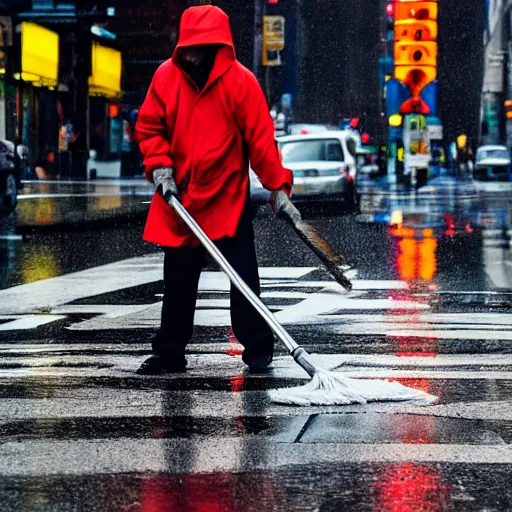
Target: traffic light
column 390, row 14
column 415, row 49
column 508, row 109
column 273, row 40
column 354, row 123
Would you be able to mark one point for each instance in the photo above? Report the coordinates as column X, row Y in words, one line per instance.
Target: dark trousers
column 182, row 268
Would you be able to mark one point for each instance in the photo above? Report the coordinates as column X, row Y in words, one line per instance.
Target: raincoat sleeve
column 151, row 130
column 253, row 118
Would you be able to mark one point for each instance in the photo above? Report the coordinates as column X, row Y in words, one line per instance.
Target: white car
column 323, row 166
column 492, row 163
column 304, row 129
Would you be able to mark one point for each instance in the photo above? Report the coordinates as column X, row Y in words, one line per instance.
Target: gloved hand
column 163, row 179
column 278, row 200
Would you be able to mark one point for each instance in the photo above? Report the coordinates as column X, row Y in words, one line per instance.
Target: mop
column 325, row 387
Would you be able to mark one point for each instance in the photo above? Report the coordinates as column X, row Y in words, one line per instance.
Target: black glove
column 163, row 179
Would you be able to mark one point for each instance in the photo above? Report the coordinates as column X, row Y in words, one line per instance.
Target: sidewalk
column 44, row 204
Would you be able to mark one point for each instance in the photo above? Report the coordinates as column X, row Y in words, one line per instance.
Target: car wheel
column 8, row 194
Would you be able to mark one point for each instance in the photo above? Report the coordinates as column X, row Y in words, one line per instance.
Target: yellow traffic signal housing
column 273, row 40
column 416, row 78
column 423, row 53
column 414, row 30
column 407, row 10
column 415, row 46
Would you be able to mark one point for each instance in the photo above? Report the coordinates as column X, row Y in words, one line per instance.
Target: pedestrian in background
column 203, row 119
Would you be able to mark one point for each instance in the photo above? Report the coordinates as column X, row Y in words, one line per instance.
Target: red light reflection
column 235, row 348
column 409, row 487
column 415, row 263
column 215, row 492
column 237, row 383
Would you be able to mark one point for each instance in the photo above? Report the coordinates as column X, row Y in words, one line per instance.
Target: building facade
column 58, row 61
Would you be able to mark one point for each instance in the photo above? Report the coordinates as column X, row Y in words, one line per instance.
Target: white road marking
column 222, row 366
column 113, row 355
column 106, row 310
column 37, row 458
column 333, row 286
column 410, row 331
column 50, row 293
column 29, row 322
column 319, row 304
column 469, row 319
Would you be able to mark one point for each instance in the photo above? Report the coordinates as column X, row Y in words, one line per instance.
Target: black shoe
column 156, row 365
column 258, row 363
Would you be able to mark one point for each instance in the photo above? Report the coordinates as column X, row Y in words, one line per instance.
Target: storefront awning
column 106, row 72
column 39, row 55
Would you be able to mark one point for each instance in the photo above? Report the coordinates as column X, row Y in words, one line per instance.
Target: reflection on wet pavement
column 62, row 203
column 410, row 486
column 435, row 293
column 331, row 488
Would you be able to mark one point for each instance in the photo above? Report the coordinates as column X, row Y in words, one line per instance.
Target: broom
column 314, row 240
column 325, row 387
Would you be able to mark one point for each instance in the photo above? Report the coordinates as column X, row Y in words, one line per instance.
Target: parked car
column 10, row 177
column 323, row 166
column 492, row 164
column 304, row 128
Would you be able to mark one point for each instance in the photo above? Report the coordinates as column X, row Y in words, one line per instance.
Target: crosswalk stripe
column 218, row 353
column 182, row 456
column 29, row 322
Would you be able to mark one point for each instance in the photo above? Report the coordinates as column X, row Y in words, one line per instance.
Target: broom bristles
column 329, row 388
column 318, row 243
column 324, row 251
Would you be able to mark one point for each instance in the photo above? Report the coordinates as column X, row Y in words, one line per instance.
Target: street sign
column 435, row 132
column 273, row 32
column 417, row 161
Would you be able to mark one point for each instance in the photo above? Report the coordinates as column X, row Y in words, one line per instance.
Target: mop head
column 329, row 388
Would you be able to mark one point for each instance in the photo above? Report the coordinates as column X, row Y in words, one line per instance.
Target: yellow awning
column 39, row 55
column 106, row 72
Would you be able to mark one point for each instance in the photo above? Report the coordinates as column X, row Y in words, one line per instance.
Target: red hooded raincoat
column 208, row 136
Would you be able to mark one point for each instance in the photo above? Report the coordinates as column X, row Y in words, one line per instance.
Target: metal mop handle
column 299, row 354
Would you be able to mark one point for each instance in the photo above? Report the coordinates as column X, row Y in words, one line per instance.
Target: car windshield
column 328, row 150
column 492, row 153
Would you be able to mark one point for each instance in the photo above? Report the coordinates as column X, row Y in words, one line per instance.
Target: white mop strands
column 331, row 388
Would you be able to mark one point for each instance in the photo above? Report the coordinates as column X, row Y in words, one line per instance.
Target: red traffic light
column 414, row 105
column 354, row 123
column 365, row 138
column 273, row 2
column 390, row 9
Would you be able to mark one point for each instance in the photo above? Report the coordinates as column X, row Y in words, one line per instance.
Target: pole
column 258, row 38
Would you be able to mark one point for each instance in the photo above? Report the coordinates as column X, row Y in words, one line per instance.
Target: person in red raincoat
column 204, row 118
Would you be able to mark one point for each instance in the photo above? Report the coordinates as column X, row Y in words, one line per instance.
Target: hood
column 205, row 24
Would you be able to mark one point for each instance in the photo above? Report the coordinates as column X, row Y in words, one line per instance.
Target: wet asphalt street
column 431, row 308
